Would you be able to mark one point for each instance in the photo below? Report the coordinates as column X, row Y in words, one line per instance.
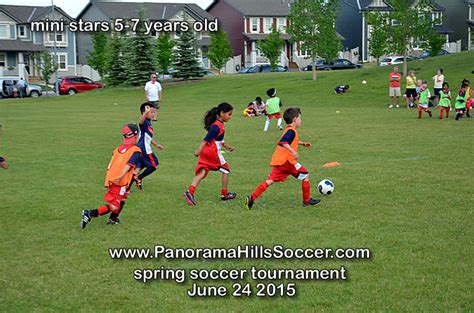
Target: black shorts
column 436, row 92
column 411, row 92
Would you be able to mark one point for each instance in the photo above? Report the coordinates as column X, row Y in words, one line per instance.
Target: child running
column 148, row 160
column 444, row 100
column 118, row 179
column 460, row 104
column 273, row 109
column 468, row 94
column 209, row 152
column 423, row 101
column 284, row 161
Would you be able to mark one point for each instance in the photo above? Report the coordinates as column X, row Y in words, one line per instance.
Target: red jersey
column 394, row 83
column 211, row 153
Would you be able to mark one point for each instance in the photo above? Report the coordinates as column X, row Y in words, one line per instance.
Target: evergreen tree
column 271, row 47
column 186, row 64
column 219, row 49
column 164, row 52
column 116, row 68
column 378, row 41
column 139, row 56
column 97, row 58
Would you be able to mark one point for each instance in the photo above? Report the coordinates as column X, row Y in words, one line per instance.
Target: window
column 62, row 61
column 3, row 59
column 395, row 23
column 378, row 3
column 281, row 25
column 438, row 18
column 22, row 31
column 59, row 37
column 267, row 25
column 254, row 25
column 4, row 31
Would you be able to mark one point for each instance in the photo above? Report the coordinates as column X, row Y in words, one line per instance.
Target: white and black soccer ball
column 326, row 187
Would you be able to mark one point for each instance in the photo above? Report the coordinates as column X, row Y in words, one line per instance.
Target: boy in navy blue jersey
column 148, row 160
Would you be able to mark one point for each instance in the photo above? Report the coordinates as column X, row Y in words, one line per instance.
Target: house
column 247, row 21
column 470, row 25
column 112, row 10
column 384, row 6
column 19, row 43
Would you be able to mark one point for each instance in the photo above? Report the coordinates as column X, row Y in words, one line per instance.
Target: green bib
column 273, row 105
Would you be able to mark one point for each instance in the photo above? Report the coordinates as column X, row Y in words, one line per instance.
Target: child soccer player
column 250, row 110
column 3, row 163
column 460, row 104
column 424, row 99
column 273, row 108
column 209, row 152
column 444, row 100
column 118, row 179
column 341, row 89
column 468, row 94
column 148, row 160
column 284, row 161
column 259, row 106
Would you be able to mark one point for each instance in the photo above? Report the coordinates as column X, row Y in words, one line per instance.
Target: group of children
column 271, row 109
column 462, row 104
column 134, row 159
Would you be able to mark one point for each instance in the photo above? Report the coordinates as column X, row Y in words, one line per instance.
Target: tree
column 97, row 59
column 271, row 47
column 46, row 65
column 186, row 64
column 164, row 52
column 139, row 56
column 378, row 41
column 219, row 49
column 312, row 23
column 115, row 65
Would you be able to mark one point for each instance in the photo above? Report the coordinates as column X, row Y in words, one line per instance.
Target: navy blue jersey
column 215, row 132
column 146, row 136
column 134, row 159
column 287, row 138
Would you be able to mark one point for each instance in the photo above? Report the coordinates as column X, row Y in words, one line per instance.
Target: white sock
column 279, row 122
column 267, row 123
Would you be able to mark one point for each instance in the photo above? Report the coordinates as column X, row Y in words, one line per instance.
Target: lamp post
column 56, row 87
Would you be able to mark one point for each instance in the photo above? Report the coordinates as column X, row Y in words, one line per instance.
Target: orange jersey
column 283, row 155
column 118, row 162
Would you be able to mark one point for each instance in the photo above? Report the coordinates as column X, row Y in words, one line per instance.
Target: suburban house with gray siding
column 19, row 44
column 470, row 25
column 111, row 10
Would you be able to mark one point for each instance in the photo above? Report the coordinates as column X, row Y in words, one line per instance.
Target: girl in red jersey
column 209, row 152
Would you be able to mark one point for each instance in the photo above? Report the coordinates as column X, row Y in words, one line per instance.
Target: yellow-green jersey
column 273, row 105
column 445, row 98
column 461, row 100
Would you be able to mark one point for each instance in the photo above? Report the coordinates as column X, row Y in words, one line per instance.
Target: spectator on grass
column 394, row 90
column 438, row 80
column 410, row 91
column 154, row 91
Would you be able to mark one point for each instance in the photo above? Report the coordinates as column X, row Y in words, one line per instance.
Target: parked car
column 337, row 64
column 392, row 60
column 309, row 67
column 427, row 54
column 262, row 68
column 73, row 84
column 8, row 88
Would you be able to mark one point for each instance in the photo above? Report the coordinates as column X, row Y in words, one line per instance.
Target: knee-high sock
column 115, row 214
column 306, row 188
column 260, row 189
column 100, row 211
column 146, row 172
column 279, row 122
column 267, row 123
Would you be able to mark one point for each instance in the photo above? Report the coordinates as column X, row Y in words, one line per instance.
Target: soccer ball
column 326, row 187
column 364, row 82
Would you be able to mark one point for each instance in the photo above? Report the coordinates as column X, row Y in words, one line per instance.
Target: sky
column 74, row 7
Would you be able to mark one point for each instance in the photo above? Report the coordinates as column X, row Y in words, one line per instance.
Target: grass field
column 404, row 190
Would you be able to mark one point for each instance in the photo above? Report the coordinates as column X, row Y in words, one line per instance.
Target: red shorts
column 469, row 103
column 207, row 167
column 276, row 115
column 116, row 194
column 281, row 172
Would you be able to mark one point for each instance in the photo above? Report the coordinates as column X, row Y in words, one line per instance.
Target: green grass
column 404, row 190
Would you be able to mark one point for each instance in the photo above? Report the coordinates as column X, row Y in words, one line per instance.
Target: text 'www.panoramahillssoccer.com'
column 246, row 282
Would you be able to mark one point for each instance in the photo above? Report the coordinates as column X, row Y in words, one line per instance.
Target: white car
column 392, row 60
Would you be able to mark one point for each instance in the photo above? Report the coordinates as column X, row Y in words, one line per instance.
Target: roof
column 282, row 36
column 258, row 8
column 19, row 45
column 365, row 5
column 23, row 14
column 153, row 11
column 443, row 29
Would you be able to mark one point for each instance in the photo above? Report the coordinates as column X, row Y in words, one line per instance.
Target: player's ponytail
column 213, row 114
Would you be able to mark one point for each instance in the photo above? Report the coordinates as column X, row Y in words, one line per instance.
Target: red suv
column 73, row 84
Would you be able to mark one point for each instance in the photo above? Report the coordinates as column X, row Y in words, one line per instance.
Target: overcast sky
column 73, row 8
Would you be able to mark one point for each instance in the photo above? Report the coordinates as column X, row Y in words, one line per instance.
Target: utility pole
column 56, row 87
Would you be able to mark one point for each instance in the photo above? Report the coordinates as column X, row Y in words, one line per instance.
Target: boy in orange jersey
column 284, row 161
column 118, row 178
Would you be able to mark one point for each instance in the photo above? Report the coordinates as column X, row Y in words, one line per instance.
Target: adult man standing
column 21, row 85
column 394, row 87
column 154, row 91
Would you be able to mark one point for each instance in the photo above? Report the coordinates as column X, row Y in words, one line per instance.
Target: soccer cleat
column 390, row 106
column 248, row 204
column 138, row 182
column 115, row 221
column 397, row 106
column 189, row 197
column 279, row 127
column 228, row 196
column 86, row 218
column 429, row 113
column 311, row 202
